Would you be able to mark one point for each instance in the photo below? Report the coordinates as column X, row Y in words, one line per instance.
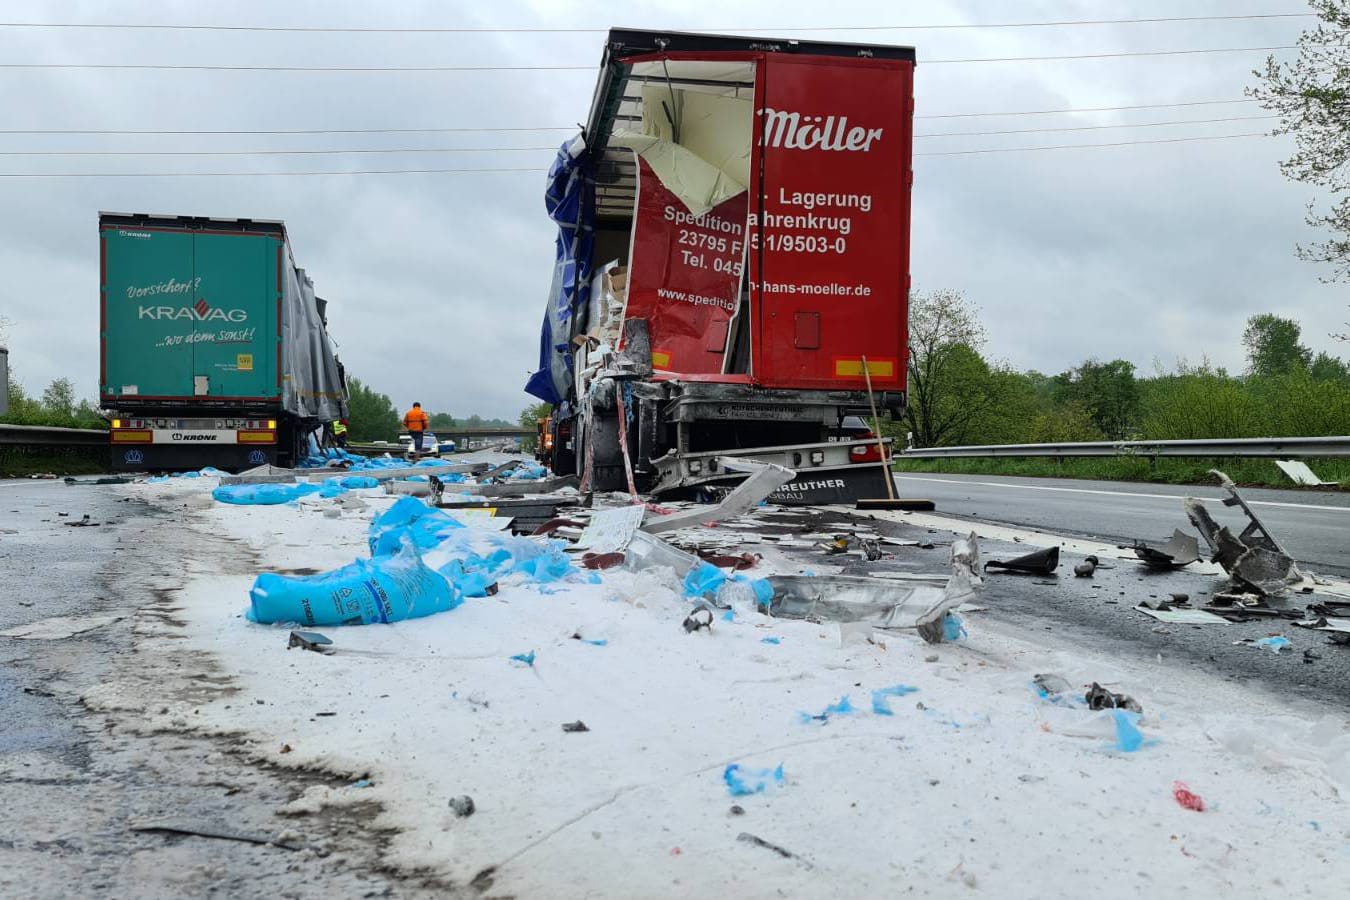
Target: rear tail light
column 865, row 452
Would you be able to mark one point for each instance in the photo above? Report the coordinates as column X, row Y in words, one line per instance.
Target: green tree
column 442, row 422
column 58, row 400
column 1107, row 391
column 371, row 415
column 1326, row 367
column 946, row 371
column 1273, row 347
column 1311, row 96
column 530, row 415
column 1069, row 423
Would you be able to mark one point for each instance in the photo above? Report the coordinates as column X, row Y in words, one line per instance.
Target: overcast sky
column 436, row 283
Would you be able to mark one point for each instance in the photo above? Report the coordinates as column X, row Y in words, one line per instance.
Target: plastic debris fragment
column 1128, row 736
column 1185, row 799
column 742, row 782
column 771, row 640
column 1273, row 644
column 880, row 698
column 524, row 658
column 841, row 707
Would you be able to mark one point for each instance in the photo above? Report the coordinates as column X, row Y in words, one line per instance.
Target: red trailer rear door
column 829, row 231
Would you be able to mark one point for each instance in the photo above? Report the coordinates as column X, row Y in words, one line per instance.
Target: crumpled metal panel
column 883, row 604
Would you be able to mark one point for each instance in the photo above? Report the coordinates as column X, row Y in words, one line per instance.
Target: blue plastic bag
column 953, row 627
column 383, row 589
column 552, row 565
column 410, row 519
column 262, row 494
column 703, row 579
column 742, row 782
column 353, row 482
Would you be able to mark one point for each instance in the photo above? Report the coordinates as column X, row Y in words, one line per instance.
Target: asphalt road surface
column 75, row 783
column 1313, row 526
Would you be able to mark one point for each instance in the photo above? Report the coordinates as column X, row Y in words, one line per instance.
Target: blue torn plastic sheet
column 771, row 640
column 1273, row 644
column 953, row 627
column 841, row 707
column 881, row 698
column 570, row 202
column 703, row 579
column 262, row 494
column 552, row 565
column 524, row 658
column 742, row 782
column 1128, row 736
column 409, row 517
column 384, row 589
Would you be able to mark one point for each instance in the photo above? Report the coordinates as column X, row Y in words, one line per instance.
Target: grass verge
column 1167, row 470
column 66, row 462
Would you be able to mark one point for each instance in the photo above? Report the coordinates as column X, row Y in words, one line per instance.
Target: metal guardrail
column 1258, row 448
column 41, row 436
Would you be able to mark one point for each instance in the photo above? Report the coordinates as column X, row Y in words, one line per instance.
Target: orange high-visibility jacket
column 416, row 420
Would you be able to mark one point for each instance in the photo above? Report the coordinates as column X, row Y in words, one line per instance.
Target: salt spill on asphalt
column 973, row 781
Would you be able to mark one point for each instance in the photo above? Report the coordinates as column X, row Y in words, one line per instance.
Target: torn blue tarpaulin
column 570, row 201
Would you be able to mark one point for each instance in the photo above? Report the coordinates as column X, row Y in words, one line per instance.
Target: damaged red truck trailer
column 732, row 262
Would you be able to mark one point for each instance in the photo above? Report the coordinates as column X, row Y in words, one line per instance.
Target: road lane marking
column 1173, row 497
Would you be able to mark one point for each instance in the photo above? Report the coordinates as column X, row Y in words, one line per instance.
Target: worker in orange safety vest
column 417, row 422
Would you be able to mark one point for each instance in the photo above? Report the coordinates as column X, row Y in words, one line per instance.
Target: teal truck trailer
column 214, row 349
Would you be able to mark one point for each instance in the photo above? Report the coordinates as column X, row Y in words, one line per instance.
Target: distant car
column 855, row 428
column 431, row 445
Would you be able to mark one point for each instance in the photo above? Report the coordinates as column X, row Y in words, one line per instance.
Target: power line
column 275, row 152
column 204, row 67
column 543, row 29
column 569, row 128
column 1081, row 109
column 283, row 131
column 1180, row 140
column 393, row 150
column 536, row 170
column 1092, row 127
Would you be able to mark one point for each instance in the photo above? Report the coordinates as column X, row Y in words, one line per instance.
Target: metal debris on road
column 170, row 826
column 1254, row 558
column 1038, row 562
column 1299, row 473
column 310, row 640
column 748, row 838
column 1180, row 550
column 575, row 727
column 765, row 478
column 879, row 602
column 1086, row 568
column 698, row 619
column 1098, row 697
